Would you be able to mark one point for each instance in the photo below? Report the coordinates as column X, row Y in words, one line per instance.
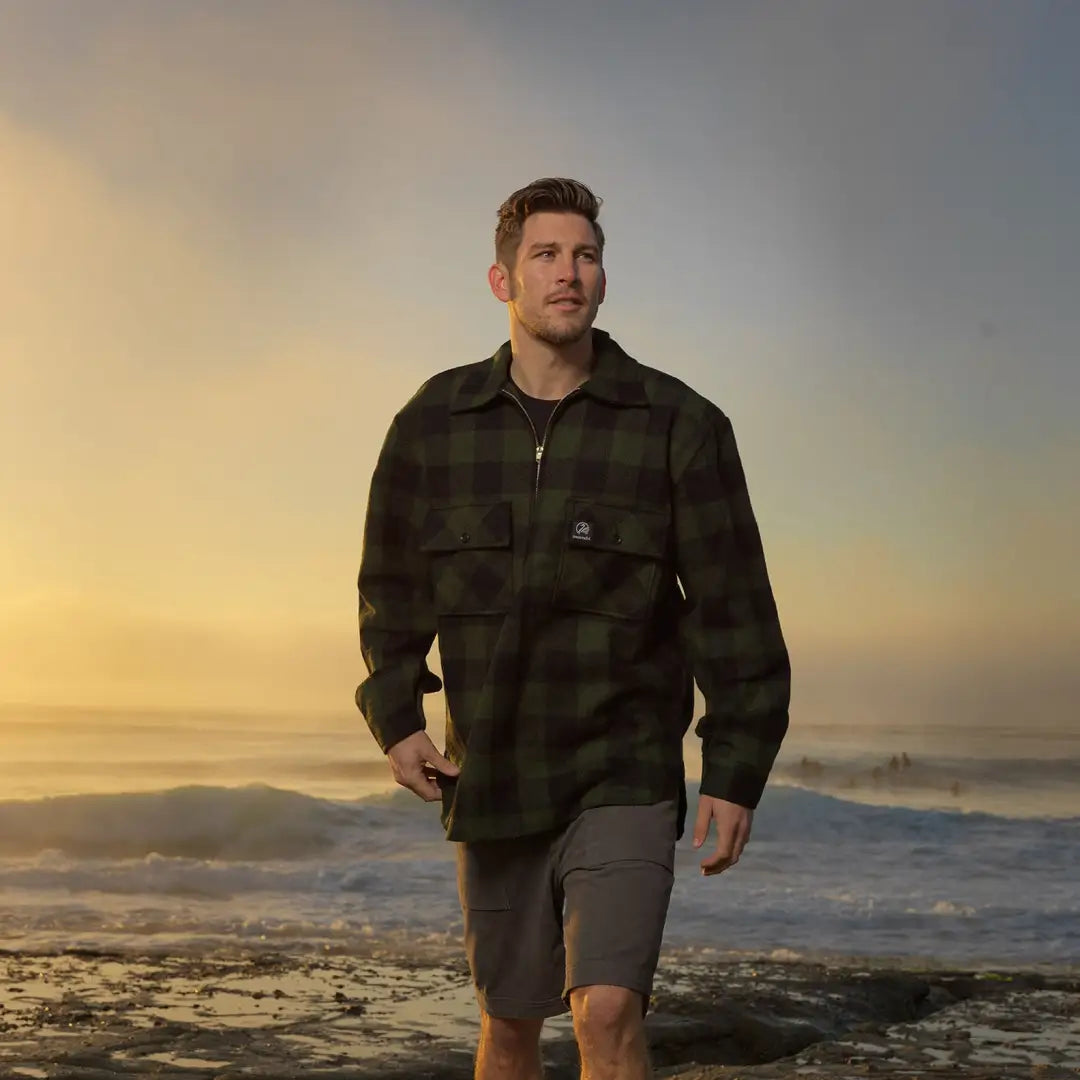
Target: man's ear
column 603, row 285
column 499, row 280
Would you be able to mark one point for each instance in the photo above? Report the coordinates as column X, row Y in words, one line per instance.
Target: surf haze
column 274, row 829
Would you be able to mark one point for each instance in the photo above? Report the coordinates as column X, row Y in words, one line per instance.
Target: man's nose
column 567, row 269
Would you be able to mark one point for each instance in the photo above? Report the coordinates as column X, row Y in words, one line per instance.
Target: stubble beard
column 555, row 333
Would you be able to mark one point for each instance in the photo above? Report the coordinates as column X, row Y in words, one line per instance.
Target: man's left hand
column 732, row 831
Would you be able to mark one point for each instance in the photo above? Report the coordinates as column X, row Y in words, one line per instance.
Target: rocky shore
column 83, row 1015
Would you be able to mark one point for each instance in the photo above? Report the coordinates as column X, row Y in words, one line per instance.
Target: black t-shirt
column 539, row 409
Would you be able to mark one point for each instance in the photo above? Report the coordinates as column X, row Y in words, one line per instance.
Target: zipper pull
column 539, row 453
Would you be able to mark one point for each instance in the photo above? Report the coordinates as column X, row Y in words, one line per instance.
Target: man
column 575, row 528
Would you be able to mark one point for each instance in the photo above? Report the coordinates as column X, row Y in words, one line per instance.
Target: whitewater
column 206, row 832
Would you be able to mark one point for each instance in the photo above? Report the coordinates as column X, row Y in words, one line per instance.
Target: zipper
column 536, row 438
column 540, row 443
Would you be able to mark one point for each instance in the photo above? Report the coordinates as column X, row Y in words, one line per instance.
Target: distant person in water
column 575, row 527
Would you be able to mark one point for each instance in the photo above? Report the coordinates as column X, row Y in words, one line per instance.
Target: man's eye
column 588, row 256
column 546, row 254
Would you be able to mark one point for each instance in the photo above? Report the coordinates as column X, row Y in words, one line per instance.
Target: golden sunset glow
column 221, row 277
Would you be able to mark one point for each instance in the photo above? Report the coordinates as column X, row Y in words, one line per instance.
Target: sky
column 234, row 239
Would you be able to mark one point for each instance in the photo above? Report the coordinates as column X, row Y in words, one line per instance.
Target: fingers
column 416, row 765
column 745, row 825
column 732, row 833
column 442, row 764
column 725, row 839
column 418, row 779
column 423, row 752
column 729, row 850
column 701, row 823
column 427, row 789
column 726, row 854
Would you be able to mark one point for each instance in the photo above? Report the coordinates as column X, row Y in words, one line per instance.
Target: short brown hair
column 553, row 193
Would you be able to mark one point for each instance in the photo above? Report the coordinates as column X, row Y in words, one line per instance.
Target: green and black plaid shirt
column 578, row 581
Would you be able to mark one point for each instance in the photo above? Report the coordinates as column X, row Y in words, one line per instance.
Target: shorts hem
column 504, row 1008
column 599, row 977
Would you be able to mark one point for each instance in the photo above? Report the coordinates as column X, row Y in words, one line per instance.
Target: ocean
column 191, row 832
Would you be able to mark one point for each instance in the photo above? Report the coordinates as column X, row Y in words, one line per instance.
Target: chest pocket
column 471, row 559
column 611, row 560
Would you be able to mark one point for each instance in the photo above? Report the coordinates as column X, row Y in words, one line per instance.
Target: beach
column 268, row 1014
column 260, row 904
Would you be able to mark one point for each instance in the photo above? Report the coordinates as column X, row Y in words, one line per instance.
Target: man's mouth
column 567, row 301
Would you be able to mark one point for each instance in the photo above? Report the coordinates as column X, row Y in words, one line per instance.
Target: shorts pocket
column 610, row 560
column 470, row 558
column 615, row 834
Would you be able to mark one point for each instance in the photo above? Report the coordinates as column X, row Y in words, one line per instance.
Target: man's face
column 557, row 282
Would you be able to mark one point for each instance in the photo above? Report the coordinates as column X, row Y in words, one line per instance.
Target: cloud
column 237, row 237
column 167, row 436
column 73, row 651
column 79, row 653
column 324, row 122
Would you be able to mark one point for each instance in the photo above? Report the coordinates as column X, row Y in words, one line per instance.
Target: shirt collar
column 615, row 377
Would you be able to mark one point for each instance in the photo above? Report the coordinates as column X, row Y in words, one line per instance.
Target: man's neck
column 549, row 371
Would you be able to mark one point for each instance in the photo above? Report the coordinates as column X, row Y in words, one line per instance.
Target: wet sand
column 94, row 1016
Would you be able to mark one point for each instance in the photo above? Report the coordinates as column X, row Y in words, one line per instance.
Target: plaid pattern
column 574, row 598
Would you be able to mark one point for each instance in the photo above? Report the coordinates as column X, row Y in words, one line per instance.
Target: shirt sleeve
column 730, row 622
column 397, row 618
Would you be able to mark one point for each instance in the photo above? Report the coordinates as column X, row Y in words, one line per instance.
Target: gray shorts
column 580, row 906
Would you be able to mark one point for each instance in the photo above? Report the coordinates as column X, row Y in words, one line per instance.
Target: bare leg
column 509, row 1049
column 610, row 1033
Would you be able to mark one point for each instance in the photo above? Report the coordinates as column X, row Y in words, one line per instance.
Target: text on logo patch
column 582, row 530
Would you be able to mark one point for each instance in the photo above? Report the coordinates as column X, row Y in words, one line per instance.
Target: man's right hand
column 416, row 763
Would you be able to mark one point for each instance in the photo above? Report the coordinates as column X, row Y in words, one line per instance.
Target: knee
column 511, row 1039
column 606, row 1013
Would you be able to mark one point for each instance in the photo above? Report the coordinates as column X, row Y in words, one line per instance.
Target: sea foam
column 247, row 823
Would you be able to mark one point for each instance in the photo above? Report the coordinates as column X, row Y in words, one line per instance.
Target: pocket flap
column 613, row 528
column 461, row 528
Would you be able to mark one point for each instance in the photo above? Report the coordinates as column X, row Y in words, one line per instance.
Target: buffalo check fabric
column 576, row 593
